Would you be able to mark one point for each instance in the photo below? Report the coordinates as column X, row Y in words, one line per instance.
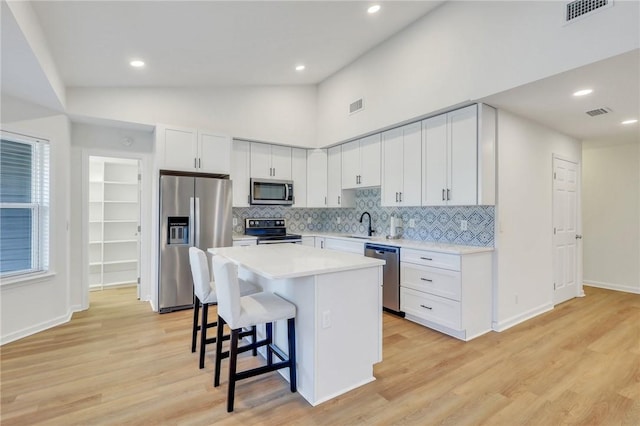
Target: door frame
column 145, row 220
column 579, row 245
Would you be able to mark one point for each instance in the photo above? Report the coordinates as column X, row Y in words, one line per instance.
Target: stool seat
column 261, row 308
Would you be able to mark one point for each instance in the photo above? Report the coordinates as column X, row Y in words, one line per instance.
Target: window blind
column 24, row 205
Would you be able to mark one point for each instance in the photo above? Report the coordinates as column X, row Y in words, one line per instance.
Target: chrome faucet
column 369, row 231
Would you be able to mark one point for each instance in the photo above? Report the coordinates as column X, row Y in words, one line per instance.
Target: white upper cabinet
column 192, row 150
column 299, row 176
column 335, row 196
column 450, row 158
column 316, row 178
column 270, row 161
column 361, row 163
column 241, row 157
column 401, row 166
column 214, row 153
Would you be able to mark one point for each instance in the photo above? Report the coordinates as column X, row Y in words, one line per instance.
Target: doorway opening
column 114, row 223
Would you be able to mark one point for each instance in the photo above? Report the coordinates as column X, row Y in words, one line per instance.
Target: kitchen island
column 338, row 297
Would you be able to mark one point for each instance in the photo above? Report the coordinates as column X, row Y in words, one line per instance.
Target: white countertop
column 404, row 243
column 276, row 261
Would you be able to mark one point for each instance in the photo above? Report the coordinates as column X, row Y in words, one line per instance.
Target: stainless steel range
column 270, row 231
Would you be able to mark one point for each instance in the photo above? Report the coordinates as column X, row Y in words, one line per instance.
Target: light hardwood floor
column 119, row 363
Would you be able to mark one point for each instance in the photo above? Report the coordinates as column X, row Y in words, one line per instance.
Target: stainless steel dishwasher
column 390, row 276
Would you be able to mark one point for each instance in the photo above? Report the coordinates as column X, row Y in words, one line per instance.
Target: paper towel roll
column 392, row 227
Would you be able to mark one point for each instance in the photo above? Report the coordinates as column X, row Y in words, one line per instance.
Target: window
column 24, row 205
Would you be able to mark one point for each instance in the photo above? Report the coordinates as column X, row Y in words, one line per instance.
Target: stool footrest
column 240, row 375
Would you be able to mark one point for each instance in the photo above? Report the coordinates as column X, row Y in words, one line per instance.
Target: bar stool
column 248, row 311
column 205, row 296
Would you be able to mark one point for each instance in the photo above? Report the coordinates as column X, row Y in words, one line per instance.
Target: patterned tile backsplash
column 437, row 224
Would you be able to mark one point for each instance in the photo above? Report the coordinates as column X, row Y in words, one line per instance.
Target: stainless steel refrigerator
column 194, row 211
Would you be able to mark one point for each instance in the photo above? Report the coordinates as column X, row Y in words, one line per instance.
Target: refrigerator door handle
column 197, row 223
column 192, row 218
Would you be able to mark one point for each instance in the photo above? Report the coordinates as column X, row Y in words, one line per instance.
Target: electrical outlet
column 235, row 221
column 309, row 220
column 412, row 223
column 326, row 319
column 463, row 225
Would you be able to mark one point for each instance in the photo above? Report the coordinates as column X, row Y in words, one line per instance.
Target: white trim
column 28, row 331
column 612, row 286
column 26, row 279
column 517, row 319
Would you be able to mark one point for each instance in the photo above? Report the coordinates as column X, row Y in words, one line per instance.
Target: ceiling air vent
column 579, row 8
column 356, row 106
column 599, row 111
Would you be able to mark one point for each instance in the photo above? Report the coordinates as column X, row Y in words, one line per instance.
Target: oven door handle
column 295, row 241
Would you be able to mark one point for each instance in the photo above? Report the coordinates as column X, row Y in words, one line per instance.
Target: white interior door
column 565, row 220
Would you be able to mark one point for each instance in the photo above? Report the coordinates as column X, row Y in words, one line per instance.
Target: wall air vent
column 356, row 106
column 599, row 111
column 579, row 8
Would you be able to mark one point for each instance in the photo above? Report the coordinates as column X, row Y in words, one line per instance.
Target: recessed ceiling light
column 633, row 120
column 300, row 67
column 582, row 92
column 137, row 63
column 373, row 9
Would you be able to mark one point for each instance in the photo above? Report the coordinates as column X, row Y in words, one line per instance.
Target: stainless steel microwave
column 271, row 191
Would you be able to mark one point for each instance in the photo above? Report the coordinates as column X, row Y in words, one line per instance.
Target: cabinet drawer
column 431, row 308
column 431, row 258
column 441, row 282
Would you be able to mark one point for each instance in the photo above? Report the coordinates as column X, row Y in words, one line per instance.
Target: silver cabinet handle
column 400, row 196
column 325, row 201
column 338, row 200
column 199, row 163
column 578, row 237
column 442, row 194
column 195, row 163
column 448, row 194
column 426, row 307
column 426, row 279
column 396, row 197
column 426, row 258
column 274, row 171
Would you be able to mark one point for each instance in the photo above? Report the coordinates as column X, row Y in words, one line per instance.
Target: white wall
column 282, row 114
column 87, row 140
column 611, row 215
column 524, row 262
column 35, row 305
column 465, row 51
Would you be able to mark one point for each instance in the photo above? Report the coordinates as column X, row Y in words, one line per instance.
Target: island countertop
column 277, row 261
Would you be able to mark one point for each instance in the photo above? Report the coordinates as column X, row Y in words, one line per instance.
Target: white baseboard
column 610, row 286
column 28, row 331
column 517, row 319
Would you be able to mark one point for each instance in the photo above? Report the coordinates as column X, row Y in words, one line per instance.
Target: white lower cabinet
column 339, row 244
column 450, row 293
